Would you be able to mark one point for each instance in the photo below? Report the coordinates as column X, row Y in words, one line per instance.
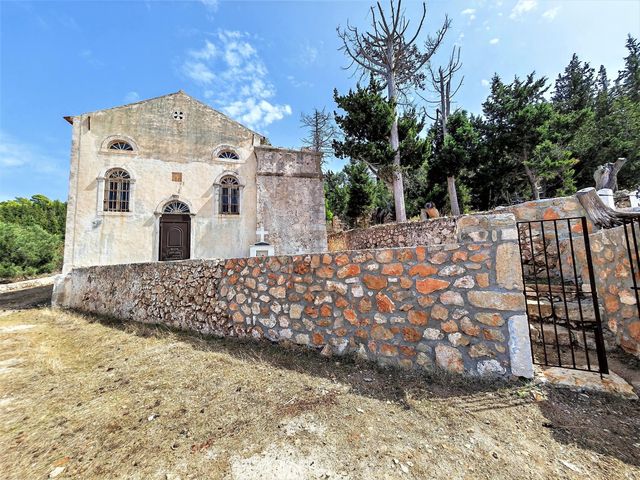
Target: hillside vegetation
column 31, row 236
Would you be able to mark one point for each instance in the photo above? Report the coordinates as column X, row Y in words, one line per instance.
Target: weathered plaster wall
column 291, row 199
column 407, row 234
column 162, row 145
column 457, row 306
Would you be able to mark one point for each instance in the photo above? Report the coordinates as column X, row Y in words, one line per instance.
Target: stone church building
column 170, row 178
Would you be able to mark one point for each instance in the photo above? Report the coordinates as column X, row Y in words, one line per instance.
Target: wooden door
column 175, row 237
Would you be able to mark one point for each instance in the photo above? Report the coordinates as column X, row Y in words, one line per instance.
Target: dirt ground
column 27, row 298
column 84, row 399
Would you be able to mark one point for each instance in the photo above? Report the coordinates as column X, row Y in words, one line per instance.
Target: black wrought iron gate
column 565, row 327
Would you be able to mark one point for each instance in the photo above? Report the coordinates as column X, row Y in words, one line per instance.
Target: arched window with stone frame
column 117, row 190
column 229, row 195
column 121, row 146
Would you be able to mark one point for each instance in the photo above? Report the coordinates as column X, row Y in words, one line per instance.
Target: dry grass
column 112, row 401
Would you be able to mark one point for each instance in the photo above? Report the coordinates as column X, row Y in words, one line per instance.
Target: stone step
column 566, row 337
column 542, row 308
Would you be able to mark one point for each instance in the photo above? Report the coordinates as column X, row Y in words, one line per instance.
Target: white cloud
column 299, row 83
column 468, row 11
column 131, row 97
column 494, row 41
column 198, row 72
column 207, row 52
column 17, row 154
column 240, row 86
column 551, row 13
column 308, row 54
column 485, row 83
column 522, row 7
column 211, row 5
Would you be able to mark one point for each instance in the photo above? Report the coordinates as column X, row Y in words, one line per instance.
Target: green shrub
column 27, row 250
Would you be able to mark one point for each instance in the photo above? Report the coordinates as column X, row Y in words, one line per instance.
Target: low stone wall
column 614, row 283
column 457, row 306
column 438, row 231
column 609, row 253
column 547, row 209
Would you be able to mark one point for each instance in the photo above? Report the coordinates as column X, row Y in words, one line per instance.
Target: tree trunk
column 398, row 186
column 445, row 106
column 599, row 213
column 533, row 181
column 606, row 176
column 453, row 196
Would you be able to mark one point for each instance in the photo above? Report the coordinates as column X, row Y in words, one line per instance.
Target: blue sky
column 262, row 62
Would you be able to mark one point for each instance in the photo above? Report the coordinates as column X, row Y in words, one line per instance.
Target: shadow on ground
column 603, row 424
column 26, row 298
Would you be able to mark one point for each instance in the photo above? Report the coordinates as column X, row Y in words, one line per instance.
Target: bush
column 27, row 250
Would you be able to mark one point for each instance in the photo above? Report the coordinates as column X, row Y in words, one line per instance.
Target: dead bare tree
column 322, row 131
column 441, row 81
column 601, row 214
column 393, row 56
column 606, row 176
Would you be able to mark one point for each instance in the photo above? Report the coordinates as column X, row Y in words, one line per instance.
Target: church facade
column 170, row 178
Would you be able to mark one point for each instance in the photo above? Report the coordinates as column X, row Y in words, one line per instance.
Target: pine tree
column 360, row 192
column 628, row 81
column 366, row 126
column 602, row 102
column 336, row 192
column 453, row 152
column 575, row 87
column 514, row 113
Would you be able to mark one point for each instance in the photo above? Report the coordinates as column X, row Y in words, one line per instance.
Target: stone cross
column 262, row 232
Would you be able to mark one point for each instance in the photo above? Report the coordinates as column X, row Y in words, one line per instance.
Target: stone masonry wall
column 438, row 231
column 457, row 306
column 614, row 282
column 291, row 199
column 547, row 209
column 610, row 257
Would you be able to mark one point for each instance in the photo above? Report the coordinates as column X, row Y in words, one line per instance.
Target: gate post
column 520, row 347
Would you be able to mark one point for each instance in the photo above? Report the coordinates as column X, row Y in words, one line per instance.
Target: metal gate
column 565, row 328
column 631, row 233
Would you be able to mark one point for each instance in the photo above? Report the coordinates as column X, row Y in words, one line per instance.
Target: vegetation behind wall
column 31, row 236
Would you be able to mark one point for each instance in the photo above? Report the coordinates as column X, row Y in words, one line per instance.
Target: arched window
column 176, row 207
column 229, row 196
column 228, row 155
column 121, row 145
column 117, row 189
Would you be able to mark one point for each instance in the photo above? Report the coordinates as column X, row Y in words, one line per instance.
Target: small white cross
column 262, row 232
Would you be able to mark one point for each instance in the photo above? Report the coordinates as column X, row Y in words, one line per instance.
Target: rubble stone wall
column 438, row 231
column 457, row 306
column 547, row 209
column 614, row 282
column 612, row 269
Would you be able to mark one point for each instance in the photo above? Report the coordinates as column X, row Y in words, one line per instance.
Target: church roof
column 69, row 118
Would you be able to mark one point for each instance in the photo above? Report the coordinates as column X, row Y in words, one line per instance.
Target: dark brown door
column 175, row 237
